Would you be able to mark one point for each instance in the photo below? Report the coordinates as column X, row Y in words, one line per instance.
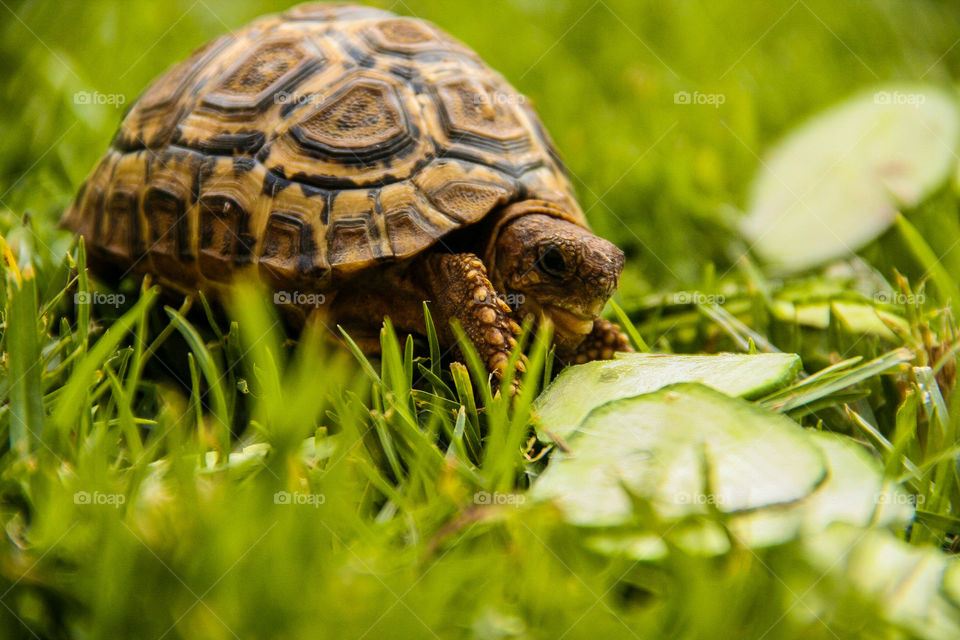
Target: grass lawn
column 169, row 469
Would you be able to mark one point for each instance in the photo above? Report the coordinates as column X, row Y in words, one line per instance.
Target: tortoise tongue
column 569, row 323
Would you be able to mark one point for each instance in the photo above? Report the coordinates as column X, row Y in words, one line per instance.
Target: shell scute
column 288, row 253
column 353, row 237
column 410, row 220
column 230, row 206
column 367, row 131
column 118, row 232
column 478, row 113
column 364, row 123
column 253, row 82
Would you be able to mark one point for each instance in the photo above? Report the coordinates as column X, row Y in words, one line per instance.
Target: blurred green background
column 661, row 179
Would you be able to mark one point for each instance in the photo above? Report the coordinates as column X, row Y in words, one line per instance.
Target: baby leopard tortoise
column 357, row 163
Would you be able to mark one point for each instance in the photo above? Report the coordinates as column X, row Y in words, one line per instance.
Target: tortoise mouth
column 568, row 322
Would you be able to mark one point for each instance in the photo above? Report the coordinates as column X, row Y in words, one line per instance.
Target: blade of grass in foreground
column 83, row 289
column 75, row 399
column 23, row 353
column 635, row 338
column 931, row 263
column 211, row 372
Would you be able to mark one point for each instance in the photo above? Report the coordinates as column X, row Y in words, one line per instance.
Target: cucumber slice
column 770, row 480
column 686, row 449
column 579, row 389
column 855, row 493
column 836, row 182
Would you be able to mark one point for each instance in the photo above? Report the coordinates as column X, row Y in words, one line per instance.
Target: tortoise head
column 555, row 270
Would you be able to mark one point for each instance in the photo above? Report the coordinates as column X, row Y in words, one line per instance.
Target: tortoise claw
column 601, row 343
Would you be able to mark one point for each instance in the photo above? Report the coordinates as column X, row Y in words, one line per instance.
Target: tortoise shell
column 309, row 146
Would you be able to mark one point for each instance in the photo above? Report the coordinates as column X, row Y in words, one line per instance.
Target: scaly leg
column 459, row 288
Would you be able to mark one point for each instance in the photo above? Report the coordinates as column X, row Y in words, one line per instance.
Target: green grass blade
column 22, row 346
column 928, row 259
column 432, row 340
column 211, row 372
column 74, row 399
column 627, row 325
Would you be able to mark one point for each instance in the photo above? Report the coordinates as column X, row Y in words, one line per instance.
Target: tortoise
column 357, row 163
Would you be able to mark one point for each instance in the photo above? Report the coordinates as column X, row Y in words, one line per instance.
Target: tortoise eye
column 552, row 262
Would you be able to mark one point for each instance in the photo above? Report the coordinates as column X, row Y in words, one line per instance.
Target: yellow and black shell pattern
column 309, row 146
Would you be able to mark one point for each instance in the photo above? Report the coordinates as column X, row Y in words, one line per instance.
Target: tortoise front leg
column 601, row 343
column 459, row 288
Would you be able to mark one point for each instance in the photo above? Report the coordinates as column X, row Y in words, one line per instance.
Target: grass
column 169, row 470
